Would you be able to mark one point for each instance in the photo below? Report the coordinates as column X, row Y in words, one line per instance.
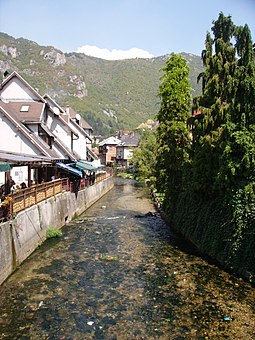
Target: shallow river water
column 118, row 272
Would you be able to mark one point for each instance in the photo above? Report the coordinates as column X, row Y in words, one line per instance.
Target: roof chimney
column 6, row 75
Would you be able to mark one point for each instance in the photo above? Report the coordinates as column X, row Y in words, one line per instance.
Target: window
column 44, row 136
column 24, row 108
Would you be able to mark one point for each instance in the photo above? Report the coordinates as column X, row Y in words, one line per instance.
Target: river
column 119, row 272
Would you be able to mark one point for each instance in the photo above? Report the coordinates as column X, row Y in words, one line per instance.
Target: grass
column 53, row 232
column 109, row 257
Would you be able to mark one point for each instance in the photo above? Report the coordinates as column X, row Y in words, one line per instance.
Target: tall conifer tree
column 173, row 136
column 237, row 168
column 223, row 149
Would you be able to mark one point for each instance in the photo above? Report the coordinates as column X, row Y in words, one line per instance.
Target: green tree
column 216, row 106
column 223, row 149
column 144, row 157
column 173, row 135
column 237, row 167
column 244, row 105
column 216, row 210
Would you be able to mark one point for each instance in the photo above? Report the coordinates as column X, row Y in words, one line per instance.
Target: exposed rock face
column 31, row 72
column 82, row 90
column 55, row 58
column 4, row 49
column 73, row 79
column 61, row 73
column 4, row 65
column 12, row 51
column 110, row 113
column 80, row 86
column 9, row 51
column 57, row 93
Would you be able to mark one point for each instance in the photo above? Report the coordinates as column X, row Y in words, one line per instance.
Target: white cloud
column 104, row 53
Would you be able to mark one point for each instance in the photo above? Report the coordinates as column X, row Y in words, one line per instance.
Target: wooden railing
column 25, row 198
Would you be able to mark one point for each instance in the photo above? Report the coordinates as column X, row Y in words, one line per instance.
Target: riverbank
column 201, row 225
column 21, row 236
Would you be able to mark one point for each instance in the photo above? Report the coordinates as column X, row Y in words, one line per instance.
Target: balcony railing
column 25, row 198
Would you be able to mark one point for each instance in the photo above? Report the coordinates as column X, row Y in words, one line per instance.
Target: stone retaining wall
column 21, row 236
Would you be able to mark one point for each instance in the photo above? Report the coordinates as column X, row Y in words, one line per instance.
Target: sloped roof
column 91, row 153
column 50, row 101
column 73, row 156
column 63, row 114
column 110, row 141
column 142, row 126
column 15, row 74
column 23, row 112
column 82, row 122
column 78, row 127
column 150, row 122
column 131, row 140
column 65, row 120
column 11, row 107
column 32, row 114
column 40, row 145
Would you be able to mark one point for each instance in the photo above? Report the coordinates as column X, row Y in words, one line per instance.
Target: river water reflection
column 118, row 272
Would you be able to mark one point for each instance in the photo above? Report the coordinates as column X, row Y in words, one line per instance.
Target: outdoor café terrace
column 71, row 177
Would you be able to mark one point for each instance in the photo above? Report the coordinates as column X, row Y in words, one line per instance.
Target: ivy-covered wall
column 218, row 231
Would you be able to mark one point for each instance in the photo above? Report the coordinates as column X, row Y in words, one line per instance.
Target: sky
column 121, row 29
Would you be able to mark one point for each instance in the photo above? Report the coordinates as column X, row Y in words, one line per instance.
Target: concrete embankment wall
column 21, row 236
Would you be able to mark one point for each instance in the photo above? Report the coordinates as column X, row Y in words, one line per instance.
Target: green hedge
column 219, row 229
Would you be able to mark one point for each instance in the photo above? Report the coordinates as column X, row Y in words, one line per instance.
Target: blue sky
column 116, row 29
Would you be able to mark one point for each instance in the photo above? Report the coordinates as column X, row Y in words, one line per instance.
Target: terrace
column 25, row 198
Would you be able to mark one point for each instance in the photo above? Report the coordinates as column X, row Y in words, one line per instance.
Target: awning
column 70, row 169
column 4, row 167
column 14, row 158
column 88, row 166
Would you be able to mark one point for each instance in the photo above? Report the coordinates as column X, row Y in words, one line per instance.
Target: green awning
column 4, row 167
column 86, row 166
column 70, row 169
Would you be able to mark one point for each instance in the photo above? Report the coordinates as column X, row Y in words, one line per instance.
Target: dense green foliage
column 145, row 157
column 225, row 131
column 205, row 163
column 110, row 95
column 173, row 136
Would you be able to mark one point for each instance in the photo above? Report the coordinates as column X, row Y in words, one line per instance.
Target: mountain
column 110, row 95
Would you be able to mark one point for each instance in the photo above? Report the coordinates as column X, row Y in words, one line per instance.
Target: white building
column 34, row 125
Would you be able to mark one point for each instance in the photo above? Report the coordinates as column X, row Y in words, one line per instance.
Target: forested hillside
column 110, row 95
